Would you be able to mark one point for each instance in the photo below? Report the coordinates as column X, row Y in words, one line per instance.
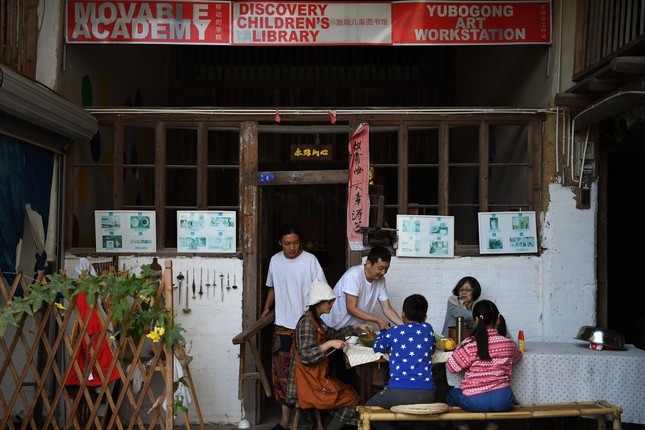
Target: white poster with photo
column 125, row 231
column 206, row 231
column 507, row 233
column 425, row 236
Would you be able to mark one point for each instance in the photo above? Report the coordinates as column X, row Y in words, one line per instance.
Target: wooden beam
column 635, row 65
column 303, row 177
column 573, row 100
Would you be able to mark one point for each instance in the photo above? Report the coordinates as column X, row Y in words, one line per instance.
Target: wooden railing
column 248, row 336
column 45, row 376
column 606, row 29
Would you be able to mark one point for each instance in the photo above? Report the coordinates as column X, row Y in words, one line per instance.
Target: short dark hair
column 415, row 307
column 379, row 252
column 289, row 229
column 477, row 289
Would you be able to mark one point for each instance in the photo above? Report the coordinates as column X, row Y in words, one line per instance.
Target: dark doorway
column 319, row 210
column 624, row 293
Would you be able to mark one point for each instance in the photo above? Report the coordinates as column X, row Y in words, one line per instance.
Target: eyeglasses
column 465, row 290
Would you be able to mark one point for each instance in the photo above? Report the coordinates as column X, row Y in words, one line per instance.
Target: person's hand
column 383, row 325
column 264, row 312
column 367, row 328
column 337, row 343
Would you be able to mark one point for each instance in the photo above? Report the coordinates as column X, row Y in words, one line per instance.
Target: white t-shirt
column 291, row 280
column 354, row 283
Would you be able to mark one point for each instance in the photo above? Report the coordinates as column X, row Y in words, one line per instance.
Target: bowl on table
column 600, row 338
column 352, row 340
column 366, row 340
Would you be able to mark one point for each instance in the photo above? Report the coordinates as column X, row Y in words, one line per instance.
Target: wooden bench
column 598, row 409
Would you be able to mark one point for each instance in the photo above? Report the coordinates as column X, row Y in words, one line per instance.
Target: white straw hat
column 319, row 291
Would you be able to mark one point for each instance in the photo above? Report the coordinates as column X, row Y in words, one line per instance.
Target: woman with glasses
column 461, row 302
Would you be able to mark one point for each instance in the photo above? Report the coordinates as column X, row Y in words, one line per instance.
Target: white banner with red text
column 358, row 191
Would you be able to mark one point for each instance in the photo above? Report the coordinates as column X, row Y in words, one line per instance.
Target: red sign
column 282, row 23
column 165, row 22
column 471, row 23
column 358, row 198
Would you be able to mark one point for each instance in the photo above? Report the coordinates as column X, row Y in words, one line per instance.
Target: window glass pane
column 386, row 181
column 138, row 187
column 139, row 146
column 93, row 191
column 463, row 184
column 384, row 146
column 223, row 188
column 223, row 172
column 509, row 186
column 170, row 229
column 508, row 143
column 466, row 224
column 181, row 146
column 423, row 144
column 463, row 144
column 223, row 147
column 181, row 187
column 423, row 185
column 93, row 174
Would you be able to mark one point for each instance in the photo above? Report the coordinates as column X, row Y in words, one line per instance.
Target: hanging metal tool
column 228, row 282
column 180, row 278
column 208, row 282
column 234, row 283
column 194, row 287
column 186, row 309
column 221, row 285
column 201, row 279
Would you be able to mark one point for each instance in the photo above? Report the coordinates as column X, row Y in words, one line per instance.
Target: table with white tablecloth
column 571, row 372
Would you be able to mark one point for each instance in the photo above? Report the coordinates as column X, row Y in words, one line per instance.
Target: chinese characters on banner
column 168, row 22
column 358, row 201
column 308, row 23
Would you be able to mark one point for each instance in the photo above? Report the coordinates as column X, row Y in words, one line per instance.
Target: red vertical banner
column 358, row 201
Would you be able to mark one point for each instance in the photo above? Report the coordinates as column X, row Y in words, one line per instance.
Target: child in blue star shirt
column 410, row 345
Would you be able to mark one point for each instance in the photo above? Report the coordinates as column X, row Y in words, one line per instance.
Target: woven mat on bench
column 421, row 408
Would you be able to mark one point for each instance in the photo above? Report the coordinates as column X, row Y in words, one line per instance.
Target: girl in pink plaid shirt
column 487, row 357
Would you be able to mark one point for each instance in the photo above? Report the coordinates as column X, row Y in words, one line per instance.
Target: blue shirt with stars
column 410, row 346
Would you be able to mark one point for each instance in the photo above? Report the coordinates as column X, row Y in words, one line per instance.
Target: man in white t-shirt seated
column 358, row 291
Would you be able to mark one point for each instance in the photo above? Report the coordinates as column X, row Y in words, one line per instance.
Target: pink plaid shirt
column 482, row 376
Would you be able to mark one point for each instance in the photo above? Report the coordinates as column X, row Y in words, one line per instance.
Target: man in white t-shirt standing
column 291, row 272
column 359, row 290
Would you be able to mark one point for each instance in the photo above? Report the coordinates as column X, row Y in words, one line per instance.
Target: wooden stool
column 296, row 418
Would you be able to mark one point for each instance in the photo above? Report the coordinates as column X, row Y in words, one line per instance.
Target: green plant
column 178, row 404
column 123, row 292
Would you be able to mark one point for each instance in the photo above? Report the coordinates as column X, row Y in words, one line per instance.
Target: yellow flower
column 156, row 334
column 60, row 307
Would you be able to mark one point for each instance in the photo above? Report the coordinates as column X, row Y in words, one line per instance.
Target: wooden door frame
column 251, row 240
